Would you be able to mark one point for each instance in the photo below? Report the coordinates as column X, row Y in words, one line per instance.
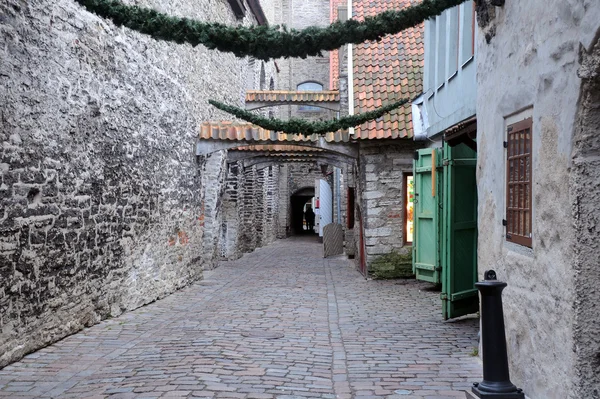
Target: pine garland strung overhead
column 303, row 127
column 264, row 42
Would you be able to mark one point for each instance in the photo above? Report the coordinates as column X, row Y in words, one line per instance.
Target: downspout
column 338, row 196
column 350, row 74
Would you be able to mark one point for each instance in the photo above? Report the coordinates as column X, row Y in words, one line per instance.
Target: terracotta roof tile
column 386, row 71
column 226, row 130
column 292, row 96
column 280, row 148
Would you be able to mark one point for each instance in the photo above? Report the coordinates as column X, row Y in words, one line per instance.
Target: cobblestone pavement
column 343, row 337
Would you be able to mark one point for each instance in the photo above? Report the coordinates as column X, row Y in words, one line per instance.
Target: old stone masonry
column 152, row 245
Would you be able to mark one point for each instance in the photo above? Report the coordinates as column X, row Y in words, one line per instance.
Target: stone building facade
column 294, row 72
column 538, row 68
column 102, row 200
column 380, row 73
column 107, row 204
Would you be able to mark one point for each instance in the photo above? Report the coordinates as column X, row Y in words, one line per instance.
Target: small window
column 454, row 16
column 468, row 31
column 309, row 86
column 408, row 189
column 440, row 60
column 518, row 182
column 430, row 34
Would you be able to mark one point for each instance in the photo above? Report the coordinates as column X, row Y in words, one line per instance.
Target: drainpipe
column 350, row 74
column 338, row 195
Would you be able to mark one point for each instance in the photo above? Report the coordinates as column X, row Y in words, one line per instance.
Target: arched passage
column 298, row 201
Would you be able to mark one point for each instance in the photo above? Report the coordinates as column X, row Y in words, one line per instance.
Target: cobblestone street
column 281, row 322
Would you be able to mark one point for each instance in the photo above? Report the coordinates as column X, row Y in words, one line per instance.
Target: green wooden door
column 459, row 236
column 426, row 240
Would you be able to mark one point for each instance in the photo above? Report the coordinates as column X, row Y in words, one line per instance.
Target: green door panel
column 426, row 241
column 459, row 232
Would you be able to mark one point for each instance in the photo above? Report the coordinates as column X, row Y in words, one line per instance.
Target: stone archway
column 585, row 194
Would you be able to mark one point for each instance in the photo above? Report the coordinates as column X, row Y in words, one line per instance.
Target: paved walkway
column 343, row 337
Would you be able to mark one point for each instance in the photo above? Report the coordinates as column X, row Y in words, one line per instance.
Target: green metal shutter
column 459, row 235
column 426, row 241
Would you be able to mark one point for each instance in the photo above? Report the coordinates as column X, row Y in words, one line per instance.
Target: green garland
column 264, row 42
column 306, row 128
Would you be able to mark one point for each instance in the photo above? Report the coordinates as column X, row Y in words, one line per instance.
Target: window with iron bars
column 519, row 182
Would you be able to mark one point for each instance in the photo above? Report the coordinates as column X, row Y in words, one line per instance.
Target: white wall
column 531, row 62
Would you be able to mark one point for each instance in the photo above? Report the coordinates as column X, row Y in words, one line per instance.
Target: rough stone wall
column 100, row 190
column 283, row 206
column 214, row 169
column 379, row 194
column 230, row 225
column 258, row 216
column 531, row 64
column 302, row 175
column 248, row 233
column 250, row 209
column 271, row 204
column 585, row 195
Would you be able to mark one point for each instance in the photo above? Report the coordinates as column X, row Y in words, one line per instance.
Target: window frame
column 522, row 183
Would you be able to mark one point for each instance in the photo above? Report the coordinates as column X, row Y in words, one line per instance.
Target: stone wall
column 379, row 194
column 213, row 171
column 528, row 56
column 250, row 209
column 585, row 197
column 100, row 192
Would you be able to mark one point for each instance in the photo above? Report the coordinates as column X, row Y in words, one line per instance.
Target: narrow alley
column 281, row 322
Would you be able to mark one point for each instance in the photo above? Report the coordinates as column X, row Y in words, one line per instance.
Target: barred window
column 518, row 183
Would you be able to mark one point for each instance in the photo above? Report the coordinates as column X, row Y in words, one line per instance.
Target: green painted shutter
column 426, row 240
column 459, row 237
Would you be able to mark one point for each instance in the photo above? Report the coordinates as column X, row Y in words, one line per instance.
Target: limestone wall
column 250, row 206
column 100, row 194
column 528, row 60
column 379, row 194
column 585, row 197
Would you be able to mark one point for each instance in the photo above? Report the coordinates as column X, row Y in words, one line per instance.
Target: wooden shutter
column 518, row 183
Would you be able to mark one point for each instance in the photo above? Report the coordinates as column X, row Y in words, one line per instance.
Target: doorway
column 300, row 200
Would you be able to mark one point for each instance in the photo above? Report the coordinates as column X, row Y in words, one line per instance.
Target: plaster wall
column 100, row 193
column 451, row 97
column 527, row 61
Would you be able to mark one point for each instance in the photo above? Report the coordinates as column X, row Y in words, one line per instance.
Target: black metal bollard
column 496, row 379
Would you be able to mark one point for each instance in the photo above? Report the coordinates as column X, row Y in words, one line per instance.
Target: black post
column 496, row 379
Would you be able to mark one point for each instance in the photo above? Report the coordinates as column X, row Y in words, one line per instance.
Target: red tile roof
column 284, row 148
column 387, row 71
column 292, row 96
column 226, row 130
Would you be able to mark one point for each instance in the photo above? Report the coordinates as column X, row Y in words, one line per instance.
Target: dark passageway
column 298, row 200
